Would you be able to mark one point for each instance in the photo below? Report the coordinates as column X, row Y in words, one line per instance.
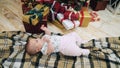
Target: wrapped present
column 53, row 11
column 42, row 8
column 85, row 18
column 52, row 15
column 63, row 8
column 71, row 15
column 60, row 8
column 45, row 1
column 68, row 24
column 31, row 19
column 55, row 6
column 40, row 1
column 48, row 1
column 26, row 7
column 36, row 14
column 94, row 16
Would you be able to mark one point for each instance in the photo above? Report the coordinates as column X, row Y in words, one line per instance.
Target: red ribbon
column 62, row 20
column 94, row 16
column 82, row 17
column 73, row 23
column 71, row 20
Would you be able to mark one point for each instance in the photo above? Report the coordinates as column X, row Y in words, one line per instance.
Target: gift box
column 39, row 9
column 44, row 1
column 68, row 24
column 63, row 8
column 52, row 15
column 36, row 14
column 85, row 18
column 71, row 15
column 94, row 16
column 27, row 5
column 55, row 6
column 39, row 1
column 48, row 1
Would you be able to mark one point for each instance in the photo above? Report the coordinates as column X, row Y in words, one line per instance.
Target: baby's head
column 34, row 45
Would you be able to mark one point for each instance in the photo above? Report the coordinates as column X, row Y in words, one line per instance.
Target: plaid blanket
column 13, row 55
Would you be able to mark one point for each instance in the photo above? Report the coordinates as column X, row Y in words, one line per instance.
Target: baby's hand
column 47, row 39
column 50, row 48
column 43, row 28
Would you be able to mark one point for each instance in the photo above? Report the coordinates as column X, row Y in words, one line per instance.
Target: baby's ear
column 37, row 49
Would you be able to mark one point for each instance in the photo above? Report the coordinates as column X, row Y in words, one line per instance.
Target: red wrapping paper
column 71, row 15
column 48, row 1
column 45, row 1
column 56, row 6
column 94, row 16
column 40, row 1
column 63, row 8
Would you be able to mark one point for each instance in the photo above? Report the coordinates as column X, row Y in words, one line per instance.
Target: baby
column 67, row 44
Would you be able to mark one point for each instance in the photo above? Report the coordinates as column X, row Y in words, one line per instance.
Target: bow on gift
column 95, row 16
column 34, row 11
column 71, row 15
column 35, row 14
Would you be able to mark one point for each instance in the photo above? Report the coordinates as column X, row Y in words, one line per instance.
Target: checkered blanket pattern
column 13, row 55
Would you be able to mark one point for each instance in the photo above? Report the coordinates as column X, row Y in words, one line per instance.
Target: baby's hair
column 28, row 49
column 27, row 46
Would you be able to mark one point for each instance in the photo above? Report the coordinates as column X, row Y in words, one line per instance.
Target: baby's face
column 36, row 43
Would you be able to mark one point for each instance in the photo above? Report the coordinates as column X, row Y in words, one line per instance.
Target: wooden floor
column 11, row 15
column 109, row 24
